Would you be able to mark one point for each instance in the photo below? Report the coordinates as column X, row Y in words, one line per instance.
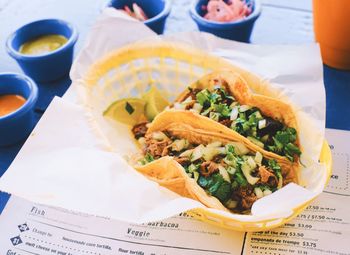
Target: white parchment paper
column 64, row 163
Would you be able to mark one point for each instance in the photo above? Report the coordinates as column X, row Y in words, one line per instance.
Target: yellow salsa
column 43, row 44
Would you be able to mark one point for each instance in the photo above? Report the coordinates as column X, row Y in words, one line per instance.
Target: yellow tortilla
column 240, row 90
column 170, row 174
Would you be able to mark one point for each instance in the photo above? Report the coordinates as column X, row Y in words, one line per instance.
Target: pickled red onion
column 137, row 12
column 232, row 10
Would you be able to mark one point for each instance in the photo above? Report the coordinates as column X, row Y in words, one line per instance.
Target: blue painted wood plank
column 301, row 5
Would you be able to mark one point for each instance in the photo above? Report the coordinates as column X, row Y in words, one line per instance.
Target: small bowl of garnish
column 18, row 95
column 44, row 48
column 229, row 19
column 153, row 13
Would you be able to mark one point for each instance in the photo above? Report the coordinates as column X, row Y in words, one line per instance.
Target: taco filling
column 219, row 105
column 229, row 172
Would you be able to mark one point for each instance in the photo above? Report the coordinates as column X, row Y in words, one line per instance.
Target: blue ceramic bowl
column 156, row 10
column 49, row 66
column 17, row 125
column 237, row 30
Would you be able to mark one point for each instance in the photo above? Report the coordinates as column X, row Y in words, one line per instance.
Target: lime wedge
column 128, row 110
column 155, row 102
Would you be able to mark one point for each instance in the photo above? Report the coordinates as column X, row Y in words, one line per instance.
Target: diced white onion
column 240, row 148
column 224, row 174
column 233, row 125
column 179, row 145
column 258, row 158
column 267, row 192
column 209, row 153
column 233, row 104
column 179, row 106
column 197, row 107
column 197, row 153
column 258, row 115
column 187, row 153
column 231, row 204
column 191, row 168
column 244, row 108
column 221, row 150
column 142, row 141
column 195, row 176
column 159, row 136
column 234, row 113
column 247, row 173
column 258, row 192
column 262, row 124
column 214, row 116
column 231, row 170
column 251, row 162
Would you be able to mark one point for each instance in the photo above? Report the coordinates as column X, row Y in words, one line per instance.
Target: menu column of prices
column 324, row 227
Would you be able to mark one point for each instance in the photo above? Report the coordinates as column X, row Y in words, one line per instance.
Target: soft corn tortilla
column 240, row 90
column 171, row 175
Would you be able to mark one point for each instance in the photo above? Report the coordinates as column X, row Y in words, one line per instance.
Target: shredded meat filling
column 267, row 177
column 226, row 122
column 208, row 168
column 139, row 130
column 192, row 93
column 190, row 105
column 247, row 197
column 182, row 160
column 156, row 148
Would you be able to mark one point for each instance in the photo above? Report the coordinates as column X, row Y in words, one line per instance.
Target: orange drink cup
column 332, row 31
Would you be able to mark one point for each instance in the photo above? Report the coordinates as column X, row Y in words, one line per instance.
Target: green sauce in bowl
column 43, row 44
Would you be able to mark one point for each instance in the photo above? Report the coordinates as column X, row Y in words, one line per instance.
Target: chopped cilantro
column 216, row 186
column 223, row 109
column 223, row 192
column 284, row 143
column 148, row 158
column 241, row 180
column 203, row 97
column 273, row 165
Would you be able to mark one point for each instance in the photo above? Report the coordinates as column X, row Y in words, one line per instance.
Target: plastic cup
column 240, row 30
column 156, row 10
column 332, row 31
column 49, row 66
column 17, row 125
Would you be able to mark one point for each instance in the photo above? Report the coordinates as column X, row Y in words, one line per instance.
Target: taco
column 267, row 124
column 217, row 170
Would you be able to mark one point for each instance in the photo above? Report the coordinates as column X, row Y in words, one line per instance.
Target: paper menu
column 28, row 228
column 339, row 183
column 323, row 228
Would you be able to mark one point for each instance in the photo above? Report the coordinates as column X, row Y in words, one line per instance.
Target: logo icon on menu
column 23, row 227
column 16, row 240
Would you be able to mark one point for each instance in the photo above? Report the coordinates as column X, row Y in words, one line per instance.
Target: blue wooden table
column 281, row 22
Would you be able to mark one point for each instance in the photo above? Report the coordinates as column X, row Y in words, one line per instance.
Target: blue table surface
column 281, row 22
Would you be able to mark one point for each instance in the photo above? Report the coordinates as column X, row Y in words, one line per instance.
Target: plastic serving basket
column 128, row 72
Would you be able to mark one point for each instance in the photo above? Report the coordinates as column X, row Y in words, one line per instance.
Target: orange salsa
column 10, row 103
